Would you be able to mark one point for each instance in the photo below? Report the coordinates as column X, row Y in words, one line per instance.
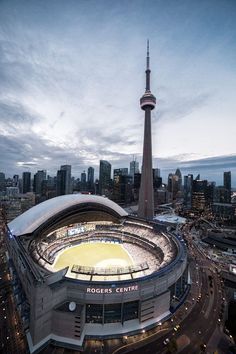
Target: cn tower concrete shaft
column 146, row 203
column 146, row 198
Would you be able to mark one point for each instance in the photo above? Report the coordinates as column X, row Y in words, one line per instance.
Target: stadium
column 83, row 268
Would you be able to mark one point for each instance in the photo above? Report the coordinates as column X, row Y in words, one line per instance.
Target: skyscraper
column 104, row 177
column 83, row 177
column 26, row 177
column 174, row 185
column 16, row 181
column 134, row 168
column 122, row 183
column 202, row 194
column 2, row 182
column 147, row 103
column 83, row 184
column 227, row 180
column 64, row 180
column 91, row 179
column 227, row 185
column 157, row 172
column 39, row 177
column 122, row 186
column 157, row 180
column 179, row 175
column 188, row 187
column 120, row 172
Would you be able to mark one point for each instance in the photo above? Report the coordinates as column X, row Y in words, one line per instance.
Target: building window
column 112, row 313
column 94, row 313
column 130, row 310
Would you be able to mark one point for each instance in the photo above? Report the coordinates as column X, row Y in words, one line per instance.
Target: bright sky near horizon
column 72, row 73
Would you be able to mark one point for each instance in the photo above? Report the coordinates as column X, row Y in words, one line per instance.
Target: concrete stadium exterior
column 58, row 309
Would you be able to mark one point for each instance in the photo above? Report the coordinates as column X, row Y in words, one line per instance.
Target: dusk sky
column 72, row 74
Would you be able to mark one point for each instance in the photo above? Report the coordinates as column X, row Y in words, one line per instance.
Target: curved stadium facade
column 110, row 298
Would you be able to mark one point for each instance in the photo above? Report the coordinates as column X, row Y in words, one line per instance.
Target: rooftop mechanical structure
column 65, row 305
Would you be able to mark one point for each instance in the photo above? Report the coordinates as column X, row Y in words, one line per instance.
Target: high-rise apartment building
column 26, row 182
column 104, row 177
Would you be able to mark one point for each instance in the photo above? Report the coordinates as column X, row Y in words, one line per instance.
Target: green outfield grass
column 93, row 255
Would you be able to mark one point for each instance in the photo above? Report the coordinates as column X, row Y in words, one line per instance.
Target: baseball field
column 97, row 254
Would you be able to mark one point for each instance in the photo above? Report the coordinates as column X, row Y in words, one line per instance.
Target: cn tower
column 147, row 103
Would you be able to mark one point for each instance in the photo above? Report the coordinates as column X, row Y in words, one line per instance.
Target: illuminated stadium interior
column 104, row 250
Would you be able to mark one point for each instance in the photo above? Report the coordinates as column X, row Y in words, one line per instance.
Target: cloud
column 26, row 164
column 210, row 168
column 216, row 162
column 190, row 161
column 172, row 107
column 31, row 151
column 43, row 155
column 14, row 114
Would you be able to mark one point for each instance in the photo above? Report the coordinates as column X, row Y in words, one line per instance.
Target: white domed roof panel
column 30, row 220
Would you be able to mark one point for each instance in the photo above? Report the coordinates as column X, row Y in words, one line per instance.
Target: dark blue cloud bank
column 211, row 168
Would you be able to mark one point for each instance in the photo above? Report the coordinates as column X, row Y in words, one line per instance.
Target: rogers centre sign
column 124, row 289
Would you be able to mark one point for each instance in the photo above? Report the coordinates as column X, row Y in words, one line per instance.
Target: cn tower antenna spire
column 148, row 71
column 148, row 54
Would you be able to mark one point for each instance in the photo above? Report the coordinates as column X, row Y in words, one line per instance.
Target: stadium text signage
column 124, row 289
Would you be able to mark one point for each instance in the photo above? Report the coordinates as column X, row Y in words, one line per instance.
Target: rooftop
column 30, row 220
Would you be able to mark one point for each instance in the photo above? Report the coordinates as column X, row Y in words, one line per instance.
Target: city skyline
column 211, row 169
column 196, row 171
column 62, row 101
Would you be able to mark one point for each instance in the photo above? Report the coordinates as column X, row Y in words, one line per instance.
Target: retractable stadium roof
column 30, row 220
